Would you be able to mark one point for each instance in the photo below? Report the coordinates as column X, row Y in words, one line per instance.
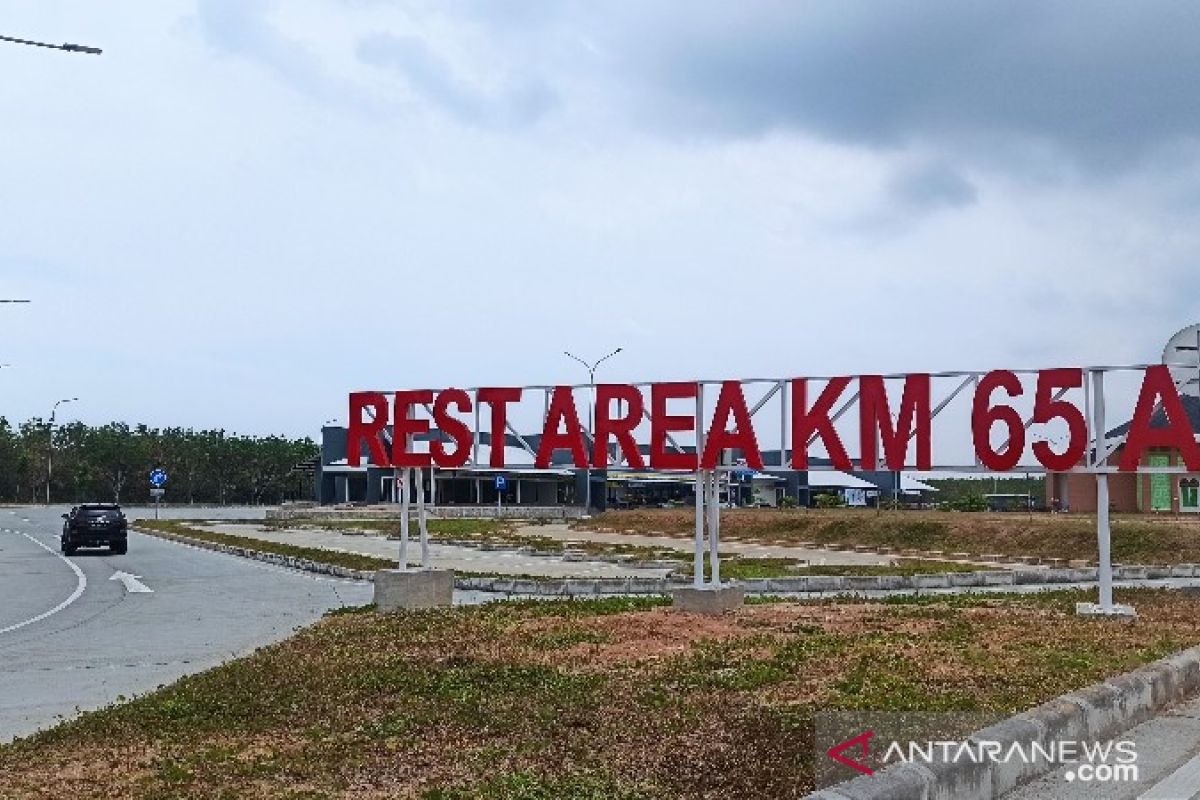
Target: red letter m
column 875, row 417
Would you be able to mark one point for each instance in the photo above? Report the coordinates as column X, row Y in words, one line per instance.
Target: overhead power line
column 70, row 48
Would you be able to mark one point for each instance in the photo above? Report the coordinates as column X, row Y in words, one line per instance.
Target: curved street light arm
column 606, row 358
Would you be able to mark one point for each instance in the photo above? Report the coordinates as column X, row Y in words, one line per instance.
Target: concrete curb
column 291, row 562
column 825, row 583
column 1098, row 712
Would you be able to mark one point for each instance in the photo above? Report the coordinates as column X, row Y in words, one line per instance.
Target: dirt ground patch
column 1139, row 539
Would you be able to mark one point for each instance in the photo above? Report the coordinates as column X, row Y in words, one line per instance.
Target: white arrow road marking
column 132, row 584
column 81, row 584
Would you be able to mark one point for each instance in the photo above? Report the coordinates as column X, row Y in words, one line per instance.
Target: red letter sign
column 875, row 415
column 619, row 427
column 456, row 429
column 405, row 427
column 499, row 400
column 1176, row 434
column 983, row 416
column 1047, row 408
column 662, row 424
column 368, row 431
column 562, row 410
column 731, row 402
column 816, row 420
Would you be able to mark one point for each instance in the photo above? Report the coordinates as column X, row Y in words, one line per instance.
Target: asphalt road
column 73, row 638
column 1167, row 759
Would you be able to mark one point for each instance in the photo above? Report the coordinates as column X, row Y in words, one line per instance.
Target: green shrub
column 969, row 502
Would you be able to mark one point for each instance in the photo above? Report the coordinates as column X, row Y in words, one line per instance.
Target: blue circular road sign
column 158, row 478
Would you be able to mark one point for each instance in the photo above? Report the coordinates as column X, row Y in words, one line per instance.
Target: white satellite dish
column 1183, row 353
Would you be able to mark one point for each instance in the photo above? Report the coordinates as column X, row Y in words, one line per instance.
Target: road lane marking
column 81, row 584
column 132, row 584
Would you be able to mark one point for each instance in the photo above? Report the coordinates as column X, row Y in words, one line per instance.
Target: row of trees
column 113, row 462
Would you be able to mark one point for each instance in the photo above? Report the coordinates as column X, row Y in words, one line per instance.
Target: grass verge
column 334, row 557
column 614, row 698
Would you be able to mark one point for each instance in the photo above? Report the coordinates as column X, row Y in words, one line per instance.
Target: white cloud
column 244, row 219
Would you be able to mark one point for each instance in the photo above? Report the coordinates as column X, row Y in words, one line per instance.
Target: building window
column 1189, row 494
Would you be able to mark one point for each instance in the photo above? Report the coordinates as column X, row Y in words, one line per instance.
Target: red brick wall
column 1122, row 489
column 1122, row 493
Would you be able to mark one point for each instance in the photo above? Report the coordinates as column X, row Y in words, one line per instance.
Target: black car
column 95, row 525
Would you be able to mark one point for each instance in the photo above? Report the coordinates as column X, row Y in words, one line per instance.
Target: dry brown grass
column 1136, row 538
column 617, row 698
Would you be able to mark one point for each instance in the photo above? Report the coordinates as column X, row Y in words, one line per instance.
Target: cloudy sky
column 245, row 209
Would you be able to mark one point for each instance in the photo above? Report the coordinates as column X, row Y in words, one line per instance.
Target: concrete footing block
column 1118, row 611
column 931, row 581
column 997, row 578
column 708, row 600
column 862, row 583
column 406, row 590
column 825, row 583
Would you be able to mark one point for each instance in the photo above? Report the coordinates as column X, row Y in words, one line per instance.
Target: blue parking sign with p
column 501, row 483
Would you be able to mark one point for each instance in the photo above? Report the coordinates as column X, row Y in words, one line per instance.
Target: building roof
column 909, row 485
column 832, row 479
column 1191, row 405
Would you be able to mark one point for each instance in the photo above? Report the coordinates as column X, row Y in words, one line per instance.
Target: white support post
column 701, row 491
column 478, row 436
column 698, row 561
column 1105, row 608
column 422, row 519
column 1104, row 539
column 714, row 528
column 1103, row 529
column 404, row 491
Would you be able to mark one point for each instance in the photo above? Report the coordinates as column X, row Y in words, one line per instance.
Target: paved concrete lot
column 1167, row 763
column 72, row 638
column 463, row 559
column 511, row 562
column 683, row 544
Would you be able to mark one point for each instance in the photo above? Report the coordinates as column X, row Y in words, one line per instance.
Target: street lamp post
column 591, row 368
column 66, row 47
column 50, row 445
